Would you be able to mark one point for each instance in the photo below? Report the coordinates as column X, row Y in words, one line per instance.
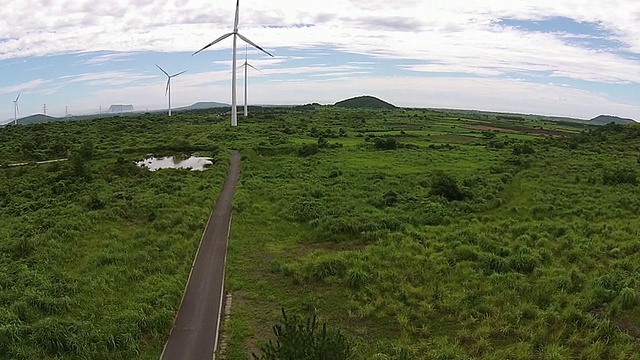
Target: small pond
column 195, row 163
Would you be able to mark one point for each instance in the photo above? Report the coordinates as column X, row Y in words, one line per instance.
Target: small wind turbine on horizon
column 16, row 109
column 236, row 34
column 246, row 65
column 168, row 89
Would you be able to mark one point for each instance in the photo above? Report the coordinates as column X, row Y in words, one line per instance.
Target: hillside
column 607, row 119
column 203, row 105
column 38, row 118
column 364, row 102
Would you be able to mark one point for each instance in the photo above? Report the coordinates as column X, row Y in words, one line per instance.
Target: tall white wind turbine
column 236, row 35
column 168, row 89
column 16, row 109
column 246, row 65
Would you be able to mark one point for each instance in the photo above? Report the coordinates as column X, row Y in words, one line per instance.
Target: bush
column 620, row 176
column 299, row 339
column 385, row 144
column 522, row 149
column 446, row 186
column 308, row 150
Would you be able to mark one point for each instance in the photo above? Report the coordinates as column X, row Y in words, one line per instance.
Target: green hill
column 38, row 118
column 365, row 102
column 607, row 119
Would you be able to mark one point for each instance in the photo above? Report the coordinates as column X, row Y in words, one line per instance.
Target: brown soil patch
column 625, row 324
column 537, row 132
column 490, row 128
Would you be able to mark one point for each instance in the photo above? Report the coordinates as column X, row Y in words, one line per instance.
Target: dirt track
column 194, row 334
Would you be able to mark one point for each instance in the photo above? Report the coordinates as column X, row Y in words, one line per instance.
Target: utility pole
column 44, row 109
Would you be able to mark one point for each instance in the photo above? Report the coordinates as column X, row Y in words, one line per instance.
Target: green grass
column 539, row 260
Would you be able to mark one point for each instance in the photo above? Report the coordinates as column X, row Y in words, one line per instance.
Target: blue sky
column 565, row 57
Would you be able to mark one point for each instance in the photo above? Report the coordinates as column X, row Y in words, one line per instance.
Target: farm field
column 420, row 234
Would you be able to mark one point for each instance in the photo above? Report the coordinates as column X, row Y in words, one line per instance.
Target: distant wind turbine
column 236, row 34
column 168, row 89
column 246, row 65
column 16, row 109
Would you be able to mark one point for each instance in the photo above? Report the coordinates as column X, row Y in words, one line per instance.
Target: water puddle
column 195, row 163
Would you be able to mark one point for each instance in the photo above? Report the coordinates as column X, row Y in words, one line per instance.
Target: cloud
column 468, row 38
column 33, row 84
column 109, row 78
column 101, row 59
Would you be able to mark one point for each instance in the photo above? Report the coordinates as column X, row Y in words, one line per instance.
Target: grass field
column 419, row 237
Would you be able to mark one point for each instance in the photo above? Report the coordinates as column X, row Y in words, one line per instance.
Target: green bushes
column 620, row 175
column 446, row 186
column 385, row 143
column 298, row 338
column 308, row 150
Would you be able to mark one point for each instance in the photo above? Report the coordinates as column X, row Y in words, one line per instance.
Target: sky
column 576, row 58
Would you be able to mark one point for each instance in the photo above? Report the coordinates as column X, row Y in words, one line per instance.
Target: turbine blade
column 166, row 91
column 253, row 67
column 237, row 19
column 18, row 97
column 214, row 42
column 253, row 44
column 180, row 73
column 161, row 69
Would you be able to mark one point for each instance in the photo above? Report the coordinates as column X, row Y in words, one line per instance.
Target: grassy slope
column 94, row 266
column 540, row 263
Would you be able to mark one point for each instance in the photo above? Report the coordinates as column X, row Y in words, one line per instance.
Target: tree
column 87, row 150
column 298, row 339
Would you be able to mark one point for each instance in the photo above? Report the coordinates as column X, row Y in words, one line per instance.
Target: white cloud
column 33, row 84
column 456, row 33
column 455, row 36
column 109, row 78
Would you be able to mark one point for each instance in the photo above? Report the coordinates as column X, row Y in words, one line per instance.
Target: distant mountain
column 607, row 119
column 364, row 102
column 38, row 118
column 120, row 108
column 203, row 105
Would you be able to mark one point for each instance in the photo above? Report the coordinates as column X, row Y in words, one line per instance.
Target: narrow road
column 194, row 335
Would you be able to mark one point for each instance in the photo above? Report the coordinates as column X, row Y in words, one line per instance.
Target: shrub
column 305, row 339
column 522, row 149
column 620, row 176
column 446, row 186
column 308, row 150
column 385, row 144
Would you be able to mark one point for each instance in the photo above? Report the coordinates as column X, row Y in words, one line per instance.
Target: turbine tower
column 246, row 65
column 16, row 109
column 236, row 35
column 168, row 89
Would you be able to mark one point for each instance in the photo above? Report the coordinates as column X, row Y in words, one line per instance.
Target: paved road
column 194, row 335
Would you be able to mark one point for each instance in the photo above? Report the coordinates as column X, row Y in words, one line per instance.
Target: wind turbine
column 168, row 89
column 236, row 34
column 16, row 109
column 246, row 65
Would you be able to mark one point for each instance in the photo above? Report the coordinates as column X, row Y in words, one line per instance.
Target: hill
column 365, row 102
column 203, row 105
column 38, row 118
column 607, row 119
